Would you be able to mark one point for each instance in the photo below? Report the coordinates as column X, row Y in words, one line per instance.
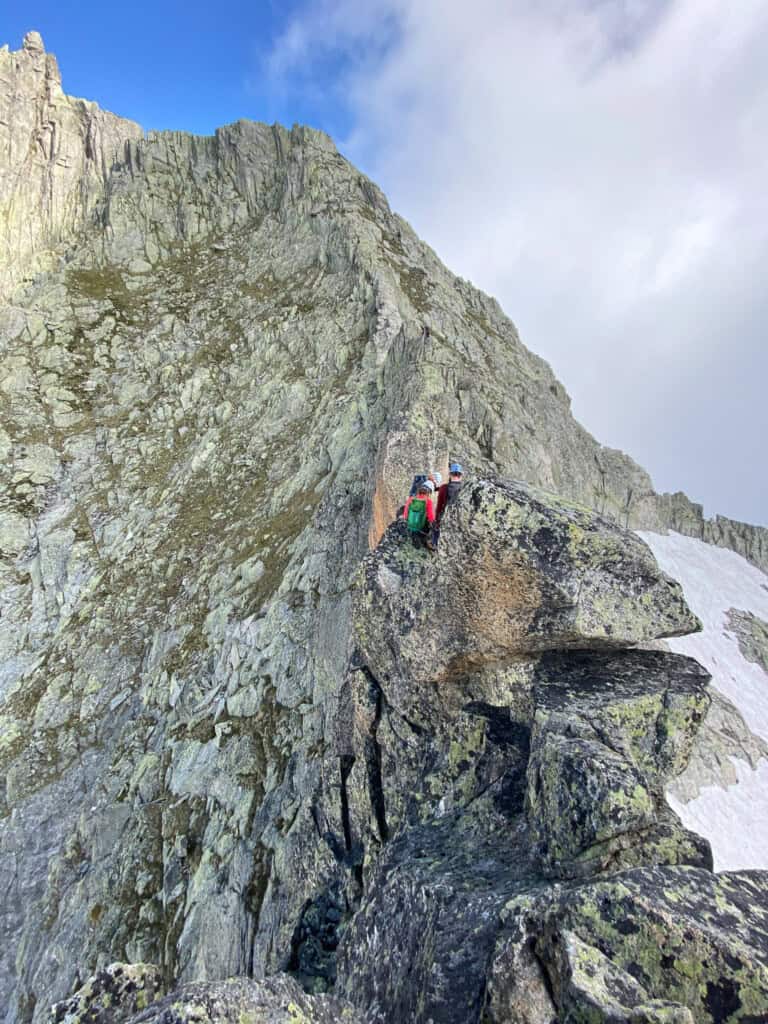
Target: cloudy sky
column 600, row 166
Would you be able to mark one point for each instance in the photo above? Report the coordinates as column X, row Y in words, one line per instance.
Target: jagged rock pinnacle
column 56, row 154
column 33, row 43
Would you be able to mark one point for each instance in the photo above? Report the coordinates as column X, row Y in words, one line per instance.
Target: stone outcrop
column 459, row 921
column 663, row 945
column 723, row 736
column 519, row 573
column 752, row 635
column 56, row 153
column 608, row 733
column 130, row 994
column 211, row 404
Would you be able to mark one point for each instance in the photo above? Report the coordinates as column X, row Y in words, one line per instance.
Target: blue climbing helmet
column 455, row 467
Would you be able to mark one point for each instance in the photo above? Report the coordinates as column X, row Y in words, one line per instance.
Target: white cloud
column 600, row 167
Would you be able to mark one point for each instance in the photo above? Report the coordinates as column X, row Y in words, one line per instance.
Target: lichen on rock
column 518, row 573
column 111, row 996
column 682, row 937
column 218, row 755
column 131, row 994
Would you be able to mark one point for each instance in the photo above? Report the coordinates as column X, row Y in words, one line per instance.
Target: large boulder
column 418, row 948
column 670, row 945
column 609, row 730
column 518, row 572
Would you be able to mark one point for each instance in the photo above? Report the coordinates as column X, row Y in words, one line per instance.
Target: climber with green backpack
column 419, row 514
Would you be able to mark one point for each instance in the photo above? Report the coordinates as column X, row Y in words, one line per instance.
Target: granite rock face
column 57, row 153
column 129, row 994
column 216, row 386
column 518, row 573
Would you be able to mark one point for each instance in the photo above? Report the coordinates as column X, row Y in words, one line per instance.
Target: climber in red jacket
column 419, row 514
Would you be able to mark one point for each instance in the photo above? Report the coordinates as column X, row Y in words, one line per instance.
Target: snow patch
column 714, row 580
column 733, row 820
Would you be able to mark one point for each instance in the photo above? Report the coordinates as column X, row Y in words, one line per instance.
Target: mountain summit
column 223, row 360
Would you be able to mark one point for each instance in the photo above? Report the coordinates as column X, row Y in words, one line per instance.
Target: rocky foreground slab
column 508, row 856
column 133, row 994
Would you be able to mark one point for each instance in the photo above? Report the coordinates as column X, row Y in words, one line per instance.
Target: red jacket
column 430, row 509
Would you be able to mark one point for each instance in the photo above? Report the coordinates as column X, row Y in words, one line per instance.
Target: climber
column 419, row 514
column 418, row 479
column 445, row 496
column 435, row 478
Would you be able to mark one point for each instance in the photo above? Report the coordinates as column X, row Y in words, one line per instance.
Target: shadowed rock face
column 518, row 572
column 419, row 947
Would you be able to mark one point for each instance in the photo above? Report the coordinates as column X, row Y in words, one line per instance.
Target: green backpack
column 417, row 515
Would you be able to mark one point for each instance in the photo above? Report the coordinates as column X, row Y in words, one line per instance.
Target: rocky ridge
column 534, row 872
column 212, row 401
column 57, row 155
column 78, row 184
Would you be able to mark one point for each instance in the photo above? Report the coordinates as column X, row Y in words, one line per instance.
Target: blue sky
column 183, row 65
column 597, row 165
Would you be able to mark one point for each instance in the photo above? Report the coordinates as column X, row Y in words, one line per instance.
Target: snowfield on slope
column 715, row 580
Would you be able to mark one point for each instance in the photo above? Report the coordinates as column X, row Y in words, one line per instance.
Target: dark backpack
column 417, row 515
column 453, row 489
column 420, row 478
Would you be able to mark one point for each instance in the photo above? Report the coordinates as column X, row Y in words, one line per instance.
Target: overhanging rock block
column 519, row 572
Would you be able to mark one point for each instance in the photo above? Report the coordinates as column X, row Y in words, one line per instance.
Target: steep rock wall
column 56, row 153
column 208, row 414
